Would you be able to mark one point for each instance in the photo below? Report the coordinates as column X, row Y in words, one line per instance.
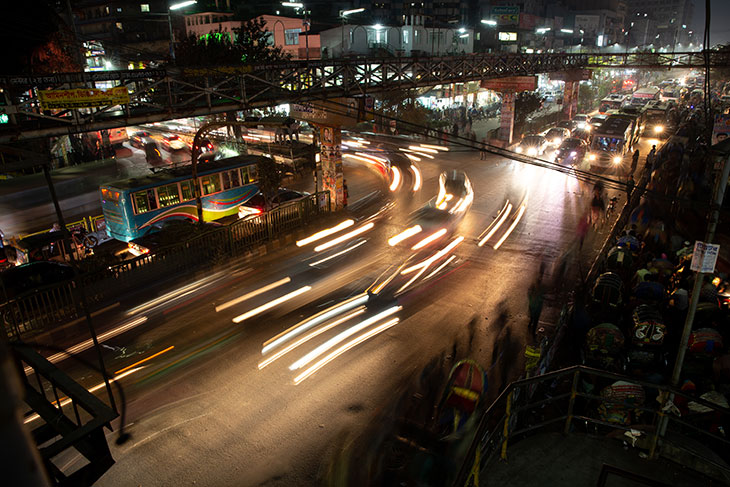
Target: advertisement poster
column 82, row 98
column 721, row 128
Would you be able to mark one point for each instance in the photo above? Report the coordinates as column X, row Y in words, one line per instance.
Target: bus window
column 226, row 180
column 168, row 195
column 244, row 175
column 186, row 188
column 110, row 195
column 230, row 179
column 145, row 201
column 235, row 180
column 211, row 183
column 253, row 173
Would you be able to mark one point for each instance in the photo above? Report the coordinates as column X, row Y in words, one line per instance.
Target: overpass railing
column 572, row 398
column 164, row 94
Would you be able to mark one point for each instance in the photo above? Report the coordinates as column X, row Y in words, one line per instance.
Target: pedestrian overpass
column 155, row 95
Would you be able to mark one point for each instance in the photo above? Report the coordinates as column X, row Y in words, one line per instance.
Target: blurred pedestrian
column 630, row 183
column 634, row 161
column 650, row 158
column 483, row 150
column 583, row 225
column 534, row 304
column 345, row 193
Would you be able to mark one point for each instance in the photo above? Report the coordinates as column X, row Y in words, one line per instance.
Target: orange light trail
column 325, row 233
column 434, row 236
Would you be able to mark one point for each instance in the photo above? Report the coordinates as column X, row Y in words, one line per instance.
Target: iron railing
column 48, row 306
column 512, row 416
column 169, row 93
column 64, row 415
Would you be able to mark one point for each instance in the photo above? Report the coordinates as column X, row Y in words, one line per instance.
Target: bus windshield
column 608, row 144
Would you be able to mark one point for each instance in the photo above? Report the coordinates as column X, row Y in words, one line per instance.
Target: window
column 168, row 195
column 145, row 7
column 120, row 26
column 110, row 196
column 291, row 37
column 145, row 201
column 186, row 189
column 211, row 183
column 507, row 36
column 119, row 10
column 230, row 179
column 405, row 37
column 253, row 173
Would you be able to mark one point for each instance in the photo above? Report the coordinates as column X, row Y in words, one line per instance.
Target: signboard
column 721, row 128
column 83, row 98
column 506, row 15
column 505, row 10
column 337, row 112
column 507, row 120
column 704, row 257
column 513, row 84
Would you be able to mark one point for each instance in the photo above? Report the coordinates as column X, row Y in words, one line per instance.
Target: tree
column 526, row 103
column 269, row 179
column 250, row 44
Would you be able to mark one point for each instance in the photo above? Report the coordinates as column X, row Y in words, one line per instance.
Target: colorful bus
column 134, row 207
column 642, row 96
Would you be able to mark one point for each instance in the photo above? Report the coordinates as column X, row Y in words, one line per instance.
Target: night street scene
column 365, row 243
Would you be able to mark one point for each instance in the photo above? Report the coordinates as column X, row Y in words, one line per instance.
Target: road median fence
column 46, row 307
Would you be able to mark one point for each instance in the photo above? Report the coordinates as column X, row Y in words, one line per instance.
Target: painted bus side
column 133, row 208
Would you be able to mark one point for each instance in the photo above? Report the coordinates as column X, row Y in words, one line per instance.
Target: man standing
column 650, row 159
column 630, row 183
column 634, row 161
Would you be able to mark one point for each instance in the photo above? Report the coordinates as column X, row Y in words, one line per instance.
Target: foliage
column 587, row 97
column 402, row 105
column 526, row 103
column 269, row 179
column 251, row 44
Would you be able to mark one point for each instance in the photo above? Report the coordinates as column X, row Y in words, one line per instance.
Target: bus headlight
column 573, row 154
column 532, row 151
column 592, row 157
column 617, row 159
column 659, row 129
column 519, row 149
column 557, row 140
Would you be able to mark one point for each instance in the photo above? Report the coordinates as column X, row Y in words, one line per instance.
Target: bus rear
column 117, row 208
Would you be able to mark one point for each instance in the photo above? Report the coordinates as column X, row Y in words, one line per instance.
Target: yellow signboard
column 83, row 98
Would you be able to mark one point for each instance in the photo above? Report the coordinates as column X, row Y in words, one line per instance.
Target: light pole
column 176, row 6
column 343, row 14
column 297, row 6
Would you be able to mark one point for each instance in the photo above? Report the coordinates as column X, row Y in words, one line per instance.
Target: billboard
column 82, row 98
column 506, row 15
column 721, row 128
column 513, row 84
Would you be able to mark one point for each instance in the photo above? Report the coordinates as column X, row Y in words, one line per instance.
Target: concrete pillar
column 330, row 143
column 507, row 121
column 570, row 99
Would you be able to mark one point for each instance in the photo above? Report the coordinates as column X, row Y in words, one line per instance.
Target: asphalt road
column 202, row 409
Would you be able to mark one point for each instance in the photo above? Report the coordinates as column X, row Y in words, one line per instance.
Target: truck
column 611, row 141
column 658, row 117
column 642, row 96
column 614, row 101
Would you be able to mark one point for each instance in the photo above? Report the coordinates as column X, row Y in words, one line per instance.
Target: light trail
column 344, row 348
column 396, row 179
column 405, row 234
column 318, row 318
column 325, row 233
column 441, row 253
column 511, row 227
column 502, row 217
column 67, row 401
column 434, row 236
column 308, row 337
column 436, row 147
column 420, row 153
column 313, row 264
column 436, row 271
column 252, row 294
column 413, row 158
column 146, row 359
column 345, row 237
column 177, row 293
column 375, row 158
column 342, row 336
column 416, row 177
column 422, row 148
column 271, row 304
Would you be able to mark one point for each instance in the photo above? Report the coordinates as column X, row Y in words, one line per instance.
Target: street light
column 489, row 22
column 343, row 14
column 566, row 31
column 170, row 8
column 543, row 30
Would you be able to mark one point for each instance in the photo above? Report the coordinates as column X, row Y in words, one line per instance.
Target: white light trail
column 306, row 338
column 313, row 264
column 434, row 236
column 503, row 215
column 345, row 237
column 344, row 348
column 318, row 318
column 271, row 304
column 511, row 227
column 416, row 177
column 252, row 294
column 413, row 158
column 325, row 233
column 436, row 271
column 437, row 147
column 342, row 336
column 451, row 246
column 405, row 234
column 422, row 148
column 396, row 179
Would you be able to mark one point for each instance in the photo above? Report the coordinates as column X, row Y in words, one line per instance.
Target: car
column 571, row 151
column 556, row 135
column 597, row 120
column 568, row 124
column 21, row 279
column 532, row 145
column 151, row 151
column 172, row 142
column 581, row 121
column 136, row 139
column 448, row 208
column 256, row 205
column 582, row 134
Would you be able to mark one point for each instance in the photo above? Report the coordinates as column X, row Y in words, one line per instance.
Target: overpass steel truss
column 165, row 94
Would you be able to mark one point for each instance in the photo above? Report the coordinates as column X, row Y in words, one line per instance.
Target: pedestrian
column 650, row 159
column 483, row 150
column 534, row 304
column 630, row 183
column 583, row 225
column 345, row 193
column 634, row 161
